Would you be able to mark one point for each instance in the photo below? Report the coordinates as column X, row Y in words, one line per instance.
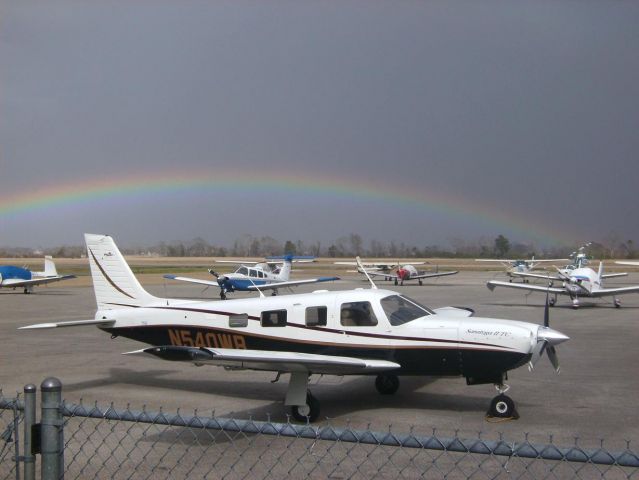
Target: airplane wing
column 431, row 275
column 525, row 286
column 17, row 282
column 556, row 260
column 613, row 275
column 536, row 275
column 635, row 264
column 605, row 292
column 495, row 260
column 199, row 281
column 291, row 283
column 275, row 361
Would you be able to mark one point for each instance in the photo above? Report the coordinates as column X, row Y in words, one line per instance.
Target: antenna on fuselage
column 359, row 264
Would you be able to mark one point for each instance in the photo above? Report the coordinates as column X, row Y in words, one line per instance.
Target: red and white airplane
column 402, row 273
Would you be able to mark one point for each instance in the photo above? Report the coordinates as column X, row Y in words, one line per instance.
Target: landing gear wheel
column 306, row 413
column 617, row 303
column 395, row 281
column 421, row 283
column 27, row 291
column 552, row 302
column 502, row 406
column 387, row 384
column 222, row 295
column 274, row 294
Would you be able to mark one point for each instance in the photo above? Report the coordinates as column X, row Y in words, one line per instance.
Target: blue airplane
column 18, row 277
column 256, row 276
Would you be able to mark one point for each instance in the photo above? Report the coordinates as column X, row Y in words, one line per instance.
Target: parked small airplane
column 256, row 276
column 578, row 281
column 18, row 277
column 404, row 271
column 518, row 266
column 351, row 332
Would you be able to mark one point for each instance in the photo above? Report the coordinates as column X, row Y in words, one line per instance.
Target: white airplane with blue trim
column 18, row 277
column 370, row 332
column 577, row 279
column 256, row 276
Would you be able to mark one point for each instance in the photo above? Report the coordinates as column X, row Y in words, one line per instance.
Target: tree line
column 348, row 246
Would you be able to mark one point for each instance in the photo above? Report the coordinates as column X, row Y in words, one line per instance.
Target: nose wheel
column 222, row 294
column 502, row 406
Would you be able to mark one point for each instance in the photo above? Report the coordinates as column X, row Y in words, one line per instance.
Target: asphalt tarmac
column 594, row 396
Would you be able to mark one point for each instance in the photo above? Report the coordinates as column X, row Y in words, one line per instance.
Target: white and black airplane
column 352, row 332
column 577, row 281
column 403, row 273
column 18, row 277
column 256, row 276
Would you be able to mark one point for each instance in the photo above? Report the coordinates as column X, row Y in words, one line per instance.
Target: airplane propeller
column 214, row 273
column 547, row 338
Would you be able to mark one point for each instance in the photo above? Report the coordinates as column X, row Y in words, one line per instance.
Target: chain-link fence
column 11, row 418
column 111, row 443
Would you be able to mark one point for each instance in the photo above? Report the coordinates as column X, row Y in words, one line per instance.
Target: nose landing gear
column 502, row 406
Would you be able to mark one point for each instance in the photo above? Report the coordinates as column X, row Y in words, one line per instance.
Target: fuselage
column 371, row 324
column 9, row 272
column 581, row 281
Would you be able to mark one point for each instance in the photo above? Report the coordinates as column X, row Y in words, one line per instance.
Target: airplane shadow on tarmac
column 39, row 293
column 337, row 399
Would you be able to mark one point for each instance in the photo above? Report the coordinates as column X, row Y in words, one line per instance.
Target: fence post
column 51, row 429
column 29, row 420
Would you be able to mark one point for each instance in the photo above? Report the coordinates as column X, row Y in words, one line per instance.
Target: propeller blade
column 552, row 356
column 547, row 309
column 214, row 273
column 538, row 351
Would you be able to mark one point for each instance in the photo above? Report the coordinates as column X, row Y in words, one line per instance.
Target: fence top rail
column 525, row 449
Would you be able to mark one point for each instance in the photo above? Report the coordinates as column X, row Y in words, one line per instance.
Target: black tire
column 307, row 413
column 395, row 281
column 222, row 295
column 387, row 384
column 421, row 283
column 502, row 406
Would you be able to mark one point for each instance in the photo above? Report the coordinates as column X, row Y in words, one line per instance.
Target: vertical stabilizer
column 600, row 273
column 49, row 267
column 285, row 271
column 113, row 281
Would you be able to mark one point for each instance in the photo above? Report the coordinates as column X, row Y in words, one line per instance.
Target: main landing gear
column 387, row 384
column 304, row 406
column 309, row 411
column 420, row 282
column 222, row 294
column 502, row 406
column 617, row 302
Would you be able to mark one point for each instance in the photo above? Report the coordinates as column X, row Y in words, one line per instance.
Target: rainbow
column 76, row 194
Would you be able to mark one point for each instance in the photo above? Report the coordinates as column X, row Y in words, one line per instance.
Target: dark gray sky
column 526, row 111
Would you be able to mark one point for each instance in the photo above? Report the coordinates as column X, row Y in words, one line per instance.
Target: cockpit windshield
column 400, row 309
column 242, row 270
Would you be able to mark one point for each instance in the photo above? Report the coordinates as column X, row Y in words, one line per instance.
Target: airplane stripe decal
column 330, row 330
column 109, row 278
column 497, row 348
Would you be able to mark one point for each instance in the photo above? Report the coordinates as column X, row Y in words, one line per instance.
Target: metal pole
column 51, row 426
column 29, row 421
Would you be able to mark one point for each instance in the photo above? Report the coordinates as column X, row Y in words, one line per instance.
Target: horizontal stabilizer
column 72, row 323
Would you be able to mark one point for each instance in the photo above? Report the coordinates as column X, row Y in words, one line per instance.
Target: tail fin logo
column 106, row 276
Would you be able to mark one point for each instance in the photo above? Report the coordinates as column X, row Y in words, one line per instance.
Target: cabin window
column 274, row 318
column 260, row 274
column 315, row 316
column 400, row 309
column 238, row 320
column 357, row 314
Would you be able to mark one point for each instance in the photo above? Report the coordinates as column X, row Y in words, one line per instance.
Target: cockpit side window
column 357, row 314
column 316, row 316
column 242, row 270
column 400, row 309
